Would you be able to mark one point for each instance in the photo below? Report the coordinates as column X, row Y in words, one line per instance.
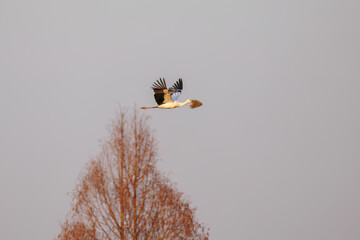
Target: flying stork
column 166, row 98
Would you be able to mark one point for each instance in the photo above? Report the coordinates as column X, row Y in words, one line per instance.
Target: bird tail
column 148, row 107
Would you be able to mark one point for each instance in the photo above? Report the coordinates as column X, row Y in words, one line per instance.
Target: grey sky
column 272, row 154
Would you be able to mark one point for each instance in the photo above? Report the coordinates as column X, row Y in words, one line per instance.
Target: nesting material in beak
column 195, row 103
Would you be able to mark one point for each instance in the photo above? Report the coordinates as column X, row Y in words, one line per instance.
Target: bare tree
column 122, row 195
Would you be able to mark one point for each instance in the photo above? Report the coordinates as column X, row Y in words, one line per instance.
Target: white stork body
column 174, row 104
column 166, row 98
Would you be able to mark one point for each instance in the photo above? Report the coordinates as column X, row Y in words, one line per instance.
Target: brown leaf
column 195, row 103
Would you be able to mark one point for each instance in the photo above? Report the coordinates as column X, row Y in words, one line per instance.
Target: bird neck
column 186, row 102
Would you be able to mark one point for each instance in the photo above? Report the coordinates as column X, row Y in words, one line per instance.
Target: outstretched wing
column 176, row 89
column 162, row 94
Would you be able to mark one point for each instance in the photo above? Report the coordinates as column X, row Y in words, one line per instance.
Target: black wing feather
column 159, row 98
column 178, row 85
column 176, row 88
column 159, row 85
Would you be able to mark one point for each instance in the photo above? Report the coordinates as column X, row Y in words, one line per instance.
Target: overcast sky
column 274, row 152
